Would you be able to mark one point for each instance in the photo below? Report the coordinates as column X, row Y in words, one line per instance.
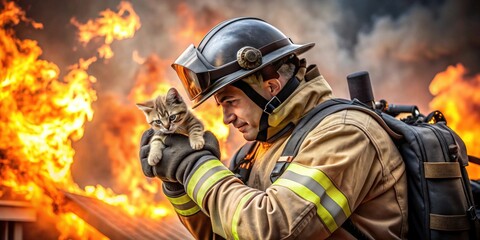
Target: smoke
column 398, row 42
column 403, row 54
column 402, row 44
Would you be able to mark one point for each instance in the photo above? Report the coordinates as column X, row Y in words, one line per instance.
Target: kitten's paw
column 155, row 155
column 153, row 159
column 197, row 144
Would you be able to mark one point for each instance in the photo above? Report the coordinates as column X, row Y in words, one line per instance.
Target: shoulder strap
column 304, row 126
column 241, row 163
column 311, row 120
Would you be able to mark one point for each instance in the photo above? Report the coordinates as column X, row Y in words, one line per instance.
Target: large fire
column 43, row 115
column 456, row 96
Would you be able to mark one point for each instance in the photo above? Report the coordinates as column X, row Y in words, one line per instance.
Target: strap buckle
column 271, row 105
column 471, row 213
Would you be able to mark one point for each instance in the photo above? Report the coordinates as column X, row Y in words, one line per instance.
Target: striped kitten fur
column 168, row 114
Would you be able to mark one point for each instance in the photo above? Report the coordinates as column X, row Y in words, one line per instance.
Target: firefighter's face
column 240, row 111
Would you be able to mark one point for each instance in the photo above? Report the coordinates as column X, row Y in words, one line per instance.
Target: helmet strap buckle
column 271, row 105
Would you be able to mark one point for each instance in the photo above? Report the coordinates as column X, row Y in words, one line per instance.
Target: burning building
column 72, row 71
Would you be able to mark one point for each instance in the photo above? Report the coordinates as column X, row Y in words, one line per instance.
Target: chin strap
column 267, row 105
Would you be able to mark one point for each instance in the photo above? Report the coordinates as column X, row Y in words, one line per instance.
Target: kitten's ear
column 173, row 96
column 146, row 107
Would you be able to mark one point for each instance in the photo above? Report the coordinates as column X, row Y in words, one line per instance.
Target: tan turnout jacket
column 347, row 167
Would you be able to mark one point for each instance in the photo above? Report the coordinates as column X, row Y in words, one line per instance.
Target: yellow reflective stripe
column 210, row 182
column 325, row 182
column 179, row 200
column 188, row 212
column 182, row 200
column 199, row 173
column 236, row 215
column 310, row 196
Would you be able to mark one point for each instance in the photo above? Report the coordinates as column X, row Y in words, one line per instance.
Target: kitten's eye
column 173, row 117
column 157, row 121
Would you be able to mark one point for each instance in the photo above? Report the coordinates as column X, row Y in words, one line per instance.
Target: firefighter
column 347, row 180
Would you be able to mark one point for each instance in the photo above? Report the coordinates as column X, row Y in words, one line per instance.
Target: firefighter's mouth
column 241, row 127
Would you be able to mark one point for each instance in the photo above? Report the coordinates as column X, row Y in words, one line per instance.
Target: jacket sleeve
column 189, row 213
column 312, row 197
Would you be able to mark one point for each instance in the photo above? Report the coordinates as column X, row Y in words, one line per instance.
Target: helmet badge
column 249, row 57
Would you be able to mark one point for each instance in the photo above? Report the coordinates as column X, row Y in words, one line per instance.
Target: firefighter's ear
column 273, row 86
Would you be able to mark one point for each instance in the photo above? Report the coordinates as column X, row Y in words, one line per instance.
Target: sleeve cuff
column 173, row 189
column 181, row 202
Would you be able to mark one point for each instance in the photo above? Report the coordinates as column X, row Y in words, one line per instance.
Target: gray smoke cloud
column 402, row 44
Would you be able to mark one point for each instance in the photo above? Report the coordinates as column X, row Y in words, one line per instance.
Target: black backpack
column 440, row 200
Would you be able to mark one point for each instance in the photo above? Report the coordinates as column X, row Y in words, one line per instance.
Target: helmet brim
column 242, row 73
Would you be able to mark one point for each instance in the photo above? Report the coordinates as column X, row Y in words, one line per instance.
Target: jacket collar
column 313, row 89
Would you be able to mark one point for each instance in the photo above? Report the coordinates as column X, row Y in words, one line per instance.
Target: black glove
column 179, row 158
column 172, row 187
column 144, row 151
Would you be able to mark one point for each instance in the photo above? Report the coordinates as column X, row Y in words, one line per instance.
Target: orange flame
column 151, row 80
column 189, row 31
column 121, row 132
column 122, row 145
column 456, row 95
column 111, row 26
column 43, row 115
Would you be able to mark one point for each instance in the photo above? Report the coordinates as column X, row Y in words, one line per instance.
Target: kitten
column 168, row 114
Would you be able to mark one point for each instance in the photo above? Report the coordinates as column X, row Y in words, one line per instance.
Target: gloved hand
column 144, row 151
column 179, row 158
column 177, row 155
column 172, row 187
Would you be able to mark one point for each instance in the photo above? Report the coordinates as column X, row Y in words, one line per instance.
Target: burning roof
column 116, row 224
